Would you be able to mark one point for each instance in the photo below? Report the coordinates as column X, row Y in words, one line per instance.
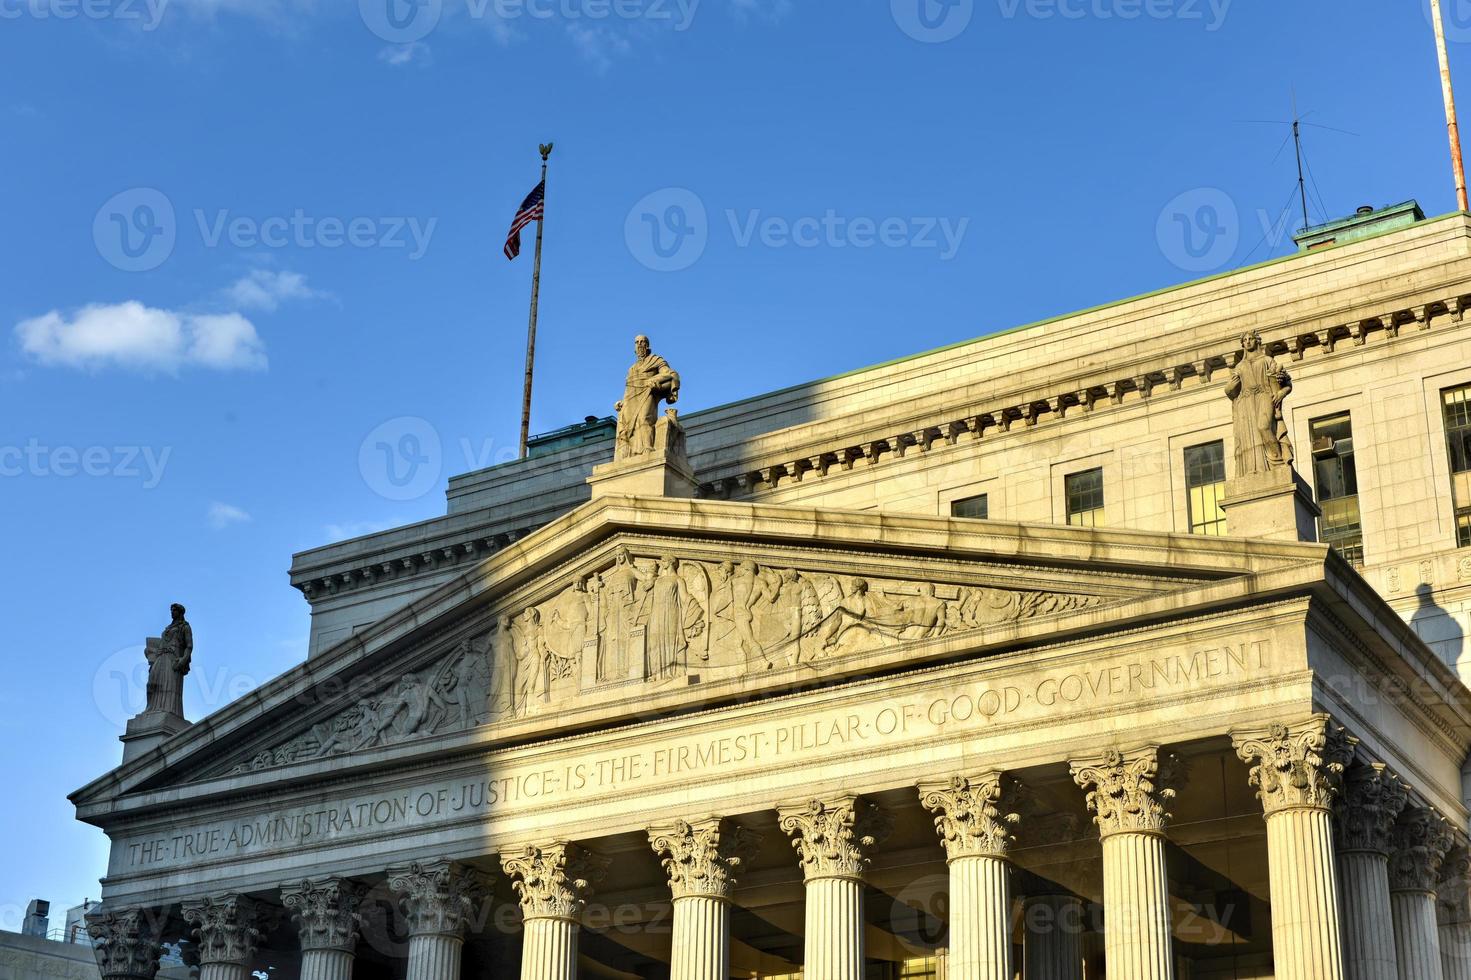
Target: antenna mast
column 1458, row 168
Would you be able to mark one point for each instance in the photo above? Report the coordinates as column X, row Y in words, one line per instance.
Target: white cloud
column 223, row 515
column 767, row 10
column 135, row 337
column 598, row 45
column 265, row 290
column 406, row 54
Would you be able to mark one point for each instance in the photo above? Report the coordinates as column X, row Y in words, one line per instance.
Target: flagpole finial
column 546, row 151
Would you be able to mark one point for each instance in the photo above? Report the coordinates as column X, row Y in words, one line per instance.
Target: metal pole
column 546, row 151
column 1448, row 92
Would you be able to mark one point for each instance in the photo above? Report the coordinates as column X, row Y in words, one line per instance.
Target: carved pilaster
column 834, row 838
column 127, row 943
column 1129, row 794
column 228, row 929
column 554, row 880
column 1297, row 766
column 972, row 813
column 438, row 898
column 703, row 858
column 325, row 912
column 1372, row 800
column 1422, row 839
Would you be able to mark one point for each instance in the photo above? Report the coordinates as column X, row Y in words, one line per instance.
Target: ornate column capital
column 554, row 880
column 703, row 858
column 971, row 813
column 1372, row 800
column 228, row 928
column 1452, row 895
column 1128, row 792
column 325, row 912
column 1422, row 839
column 1297, row 766
column 835, row 837
column 126, row 942
column 438, row 898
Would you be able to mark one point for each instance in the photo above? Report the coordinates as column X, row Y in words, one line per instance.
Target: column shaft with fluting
column 554, row 880
column 1422, row 841
column 326, row 964
column 702, row 859
column 1052, row 947
column 975, row 816
column 1297, row 770
column 834, row 838
column 1128, row 794
column 1365, row 816
column 439, row 899
column 1453, row 903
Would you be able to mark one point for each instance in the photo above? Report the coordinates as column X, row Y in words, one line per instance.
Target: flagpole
column 1448, row 93
column 546, row 151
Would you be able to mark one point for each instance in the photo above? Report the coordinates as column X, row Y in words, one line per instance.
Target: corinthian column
column 1453, row 903
column 701, row 860
column 1372, row 800
column 1298, row 774
column 127, row 943
column 327, row 924
column 1128, row 795
column 439, row 900
column 975, row 829
column 1053, row 943
column 554, row 881
column 227, row 933
column 1421, row 841
column 835, row 839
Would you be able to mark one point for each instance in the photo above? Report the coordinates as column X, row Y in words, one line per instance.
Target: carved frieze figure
column 1256, row 387
column 666, row 642
column 468, row 685
column 168, row 662
column 623, row 595
column 650, row 381
column 504, row 671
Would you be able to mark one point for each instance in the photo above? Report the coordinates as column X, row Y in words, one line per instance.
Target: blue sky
column 244, row 235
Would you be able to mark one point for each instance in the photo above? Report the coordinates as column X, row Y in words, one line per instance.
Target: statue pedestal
column 1277, row 506
column 146, row 731
column 662, row 472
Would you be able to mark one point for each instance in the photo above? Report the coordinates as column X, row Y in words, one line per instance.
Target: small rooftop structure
column 1363, row 223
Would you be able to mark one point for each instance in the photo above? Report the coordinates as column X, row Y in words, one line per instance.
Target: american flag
column 531, row 210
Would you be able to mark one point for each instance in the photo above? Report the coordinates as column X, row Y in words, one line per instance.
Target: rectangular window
column 1456, row 403
column 1337, row 482
column 925, row 968
column 1084, row 495
column 973, row 507
column 1205, row 485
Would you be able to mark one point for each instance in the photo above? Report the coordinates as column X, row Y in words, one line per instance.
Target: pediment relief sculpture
column 643, row 623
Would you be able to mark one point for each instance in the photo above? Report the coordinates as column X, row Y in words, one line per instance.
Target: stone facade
column 754, row 702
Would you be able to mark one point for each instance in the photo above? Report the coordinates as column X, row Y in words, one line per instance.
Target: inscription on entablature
column 943, row 710
column 655, row 622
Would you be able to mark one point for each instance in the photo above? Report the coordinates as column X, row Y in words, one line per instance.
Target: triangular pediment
column 629, row 608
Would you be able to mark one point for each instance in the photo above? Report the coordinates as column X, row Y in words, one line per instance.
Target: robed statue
column 168, row 662
column 1257, row 386
column 650, row 381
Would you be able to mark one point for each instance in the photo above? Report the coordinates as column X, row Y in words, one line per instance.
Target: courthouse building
column 1018, row 658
